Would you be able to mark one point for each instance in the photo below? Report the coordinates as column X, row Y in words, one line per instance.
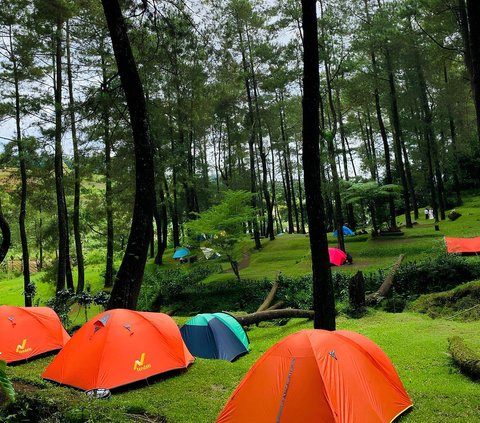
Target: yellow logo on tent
column 21, row 348
column 139, row 364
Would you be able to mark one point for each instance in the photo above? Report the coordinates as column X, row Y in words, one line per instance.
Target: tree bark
column 129, row 277
column 161, row 219
column 61, row 209
column 251, row 137
column 429, row 133
column 386, row 146
column 6, row 235
column 76, row 167
column 23, row 175
column 261, row 150
column 397, row 138
column 287, row 313
column 473, row 13
column 453, row 137
column 107, row 140
column 323, row 296
column 387, row 283
column 285, row 173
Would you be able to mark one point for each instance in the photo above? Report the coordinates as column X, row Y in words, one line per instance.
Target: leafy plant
column 440, row 273
column 5, row 382
column 62, row 304
column 224, row 223
column 163, row 286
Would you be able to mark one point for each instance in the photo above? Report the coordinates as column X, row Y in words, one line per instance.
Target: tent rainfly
column 26, row 332
column 119, row 347
column 319, row 376
column 463, row 245
column 216, row 335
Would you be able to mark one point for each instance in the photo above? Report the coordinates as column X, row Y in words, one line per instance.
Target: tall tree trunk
column 366, row 143
column 397, row 138
column 300, row 193
column 473, row 12
column 323, row 296
column 68, row 267
column 453, row 137
column 442, row 201
column 261, row 150
column 349, row 207
column 251, row 137
column 285, row 173
column 429, row 132
column 329, row 137
column 386, row 146
column 465, row 32
column 76, row 168
column 373, row 148
column 107, row 139
column 129, row 277
column 6, row 235
column 23, row 176
column 292, row 189
column 410, row 182
column 161, row 220
column 61, row 209
column 174, row 203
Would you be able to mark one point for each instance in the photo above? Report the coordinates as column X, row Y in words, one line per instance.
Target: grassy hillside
column 416, row 344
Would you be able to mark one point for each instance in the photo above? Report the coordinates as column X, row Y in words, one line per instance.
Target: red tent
column 29, row 331
column 118, row 347
column 319, row 376
column 463, row 245
column 337, row 256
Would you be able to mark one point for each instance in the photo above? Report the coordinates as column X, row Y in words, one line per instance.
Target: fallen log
column 276, row 306
column 285, row 313
column 467, row 359
column 268, row 300
column 382, row 292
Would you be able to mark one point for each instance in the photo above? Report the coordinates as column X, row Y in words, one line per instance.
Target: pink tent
column 337, row 256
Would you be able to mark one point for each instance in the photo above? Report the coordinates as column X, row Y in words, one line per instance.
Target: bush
column 163, row 286
column 461, row 303
column 437, row 274
column 61, row 304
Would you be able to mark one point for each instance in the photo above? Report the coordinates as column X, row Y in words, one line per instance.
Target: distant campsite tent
column 337, row 256
column 319, row 376
column 463, row 245
column 181, row 253
column 29, row 331
column 118, row 347
column 216, row 335
column 209, row 253
column 346, row 231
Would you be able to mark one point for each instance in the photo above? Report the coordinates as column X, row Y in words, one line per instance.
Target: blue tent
column 216, row 335
column 181, row 252
column 346, row 231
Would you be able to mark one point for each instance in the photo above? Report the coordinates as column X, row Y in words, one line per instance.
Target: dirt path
column 245, row 262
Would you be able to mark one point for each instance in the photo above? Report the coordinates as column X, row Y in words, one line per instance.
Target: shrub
column 61, row 304
column 436, row 274
column 162, row 286
column 461, row 303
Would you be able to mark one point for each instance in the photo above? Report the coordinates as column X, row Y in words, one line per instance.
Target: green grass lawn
column 416, row 344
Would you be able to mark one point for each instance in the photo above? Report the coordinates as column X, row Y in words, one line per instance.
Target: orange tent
column 463, row 245
column 118, row 347
column 29, row 331
column 319, row 376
